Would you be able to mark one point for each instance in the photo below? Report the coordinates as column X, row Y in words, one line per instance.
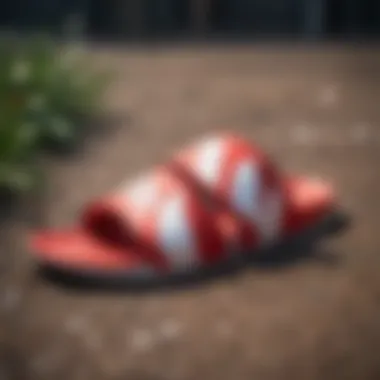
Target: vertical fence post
column 164, row 14
column 129, row 17
column 199, row 15
column 314, row 18
column 350, row 17
column 75, row 19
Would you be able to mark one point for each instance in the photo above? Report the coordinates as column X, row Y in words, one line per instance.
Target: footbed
column 103, row 245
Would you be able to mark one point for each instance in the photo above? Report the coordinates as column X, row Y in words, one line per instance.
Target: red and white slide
column 215, row 202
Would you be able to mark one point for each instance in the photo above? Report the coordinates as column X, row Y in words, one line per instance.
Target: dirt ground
column 317, row 111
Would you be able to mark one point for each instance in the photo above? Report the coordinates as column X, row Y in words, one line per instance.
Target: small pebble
column 360, row 134
column 142, row 340
column 75, row 324
column 328, row 96
column 170, row 329
column 304, row 135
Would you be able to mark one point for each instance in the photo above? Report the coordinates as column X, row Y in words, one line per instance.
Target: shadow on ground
column 287, row 253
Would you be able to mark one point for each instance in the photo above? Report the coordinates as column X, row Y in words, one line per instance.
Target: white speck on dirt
column 328, row 96
column 75, row 324
column 361, row 133
column 170, row 329
column 142, row 340
column 303, row 134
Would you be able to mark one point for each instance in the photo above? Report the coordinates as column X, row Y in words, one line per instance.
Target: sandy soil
column 317, row 111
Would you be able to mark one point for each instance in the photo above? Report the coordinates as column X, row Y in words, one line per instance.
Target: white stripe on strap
column 250, row 198
column 142, row 192
column 209, row 160
column 175, row 235
column 245, row 192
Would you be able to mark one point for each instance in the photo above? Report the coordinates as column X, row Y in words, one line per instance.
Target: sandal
column 213, row 203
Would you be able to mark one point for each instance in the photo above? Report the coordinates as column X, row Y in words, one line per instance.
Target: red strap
column 243, row 179
column 169, row 221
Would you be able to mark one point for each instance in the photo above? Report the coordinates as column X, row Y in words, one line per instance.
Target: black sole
column 278, row 255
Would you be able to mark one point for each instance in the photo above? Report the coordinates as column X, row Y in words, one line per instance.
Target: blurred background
column 87, row 100
column 125, row 19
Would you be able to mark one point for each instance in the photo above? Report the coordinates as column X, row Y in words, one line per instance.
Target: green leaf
column 17, row 177
column 43, row 96
column 62, row 129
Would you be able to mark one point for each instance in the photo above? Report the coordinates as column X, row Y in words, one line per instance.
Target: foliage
column 46, row 96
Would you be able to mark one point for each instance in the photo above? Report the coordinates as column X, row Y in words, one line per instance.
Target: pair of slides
column 214, row 202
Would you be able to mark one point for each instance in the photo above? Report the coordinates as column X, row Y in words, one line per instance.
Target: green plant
column 56, row 87
column 18, row 142
column 46, row 95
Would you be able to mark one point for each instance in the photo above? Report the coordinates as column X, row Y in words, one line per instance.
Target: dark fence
column 154, row 18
